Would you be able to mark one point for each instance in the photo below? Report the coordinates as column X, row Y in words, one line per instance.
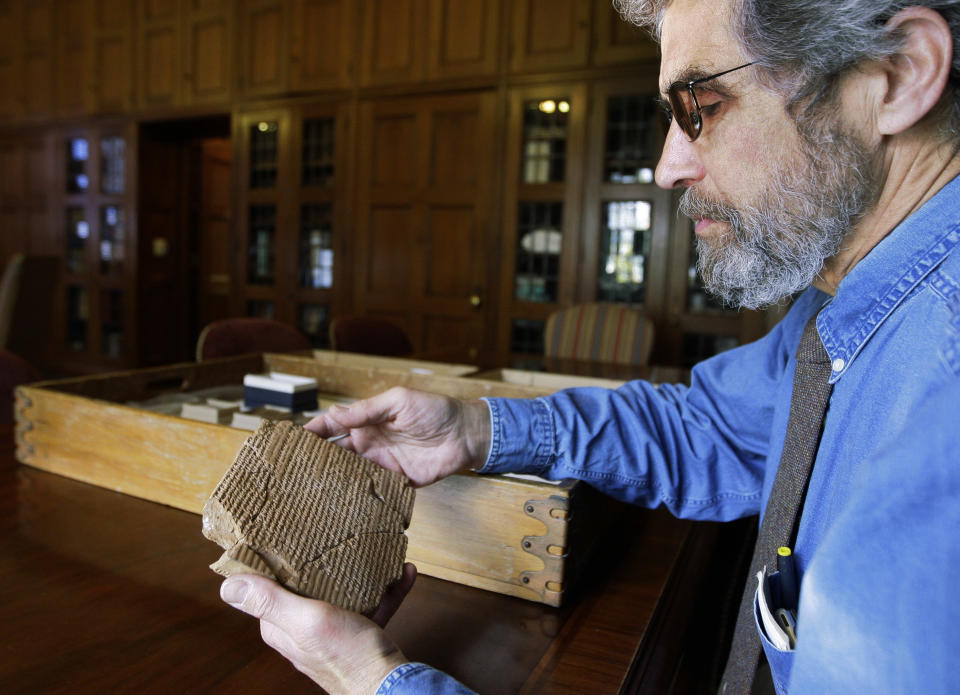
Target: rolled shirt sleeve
column 420, row 679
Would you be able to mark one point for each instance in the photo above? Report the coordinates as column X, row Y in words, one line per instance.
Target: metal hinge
column 551, row 548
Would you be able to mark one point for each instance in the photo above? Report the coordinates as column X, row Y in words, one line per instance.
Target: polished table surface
column 107, row 593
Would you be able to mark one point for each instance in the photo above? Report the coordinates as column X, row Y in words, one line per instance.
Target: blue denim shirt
column 711, row 450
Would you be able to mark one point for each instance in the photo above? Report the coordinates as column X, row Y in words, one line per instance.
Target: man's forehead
column 696, row 40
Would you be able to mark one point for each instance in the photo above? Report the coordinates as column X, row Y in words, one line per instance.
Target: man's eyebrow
column 692, row 73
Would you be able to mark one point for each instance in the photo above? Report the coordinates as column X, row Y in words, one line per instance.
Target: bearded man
column 817, row 142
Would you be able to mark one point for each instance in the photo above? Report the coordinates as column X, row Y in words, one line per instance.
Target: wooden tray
column 514, row 536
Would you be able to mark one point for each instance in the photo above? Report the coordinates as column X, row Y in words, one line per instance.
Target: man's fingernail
column 234, row 590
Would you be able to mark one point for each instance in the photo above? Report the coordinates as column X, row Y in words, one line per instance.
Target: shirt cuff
column 419, row 679
column 522, row 436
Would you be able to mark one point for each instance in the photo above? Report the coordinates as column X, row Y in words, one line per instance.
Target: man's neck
column 913, row 173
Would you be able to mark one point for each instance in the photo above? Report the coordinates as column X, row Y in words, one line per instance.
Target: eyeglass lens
column 685, row 111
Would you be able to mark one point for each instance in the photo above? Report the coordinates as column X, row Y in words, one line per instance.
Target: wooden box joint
column 550, row 548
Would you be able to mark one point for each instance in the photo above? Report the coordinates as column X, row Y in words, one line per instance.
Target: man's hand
column 342, row 652
column 425, row 436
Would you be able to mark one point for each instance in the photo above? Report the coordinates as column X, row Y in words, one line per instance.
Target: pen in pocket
column 788, row 577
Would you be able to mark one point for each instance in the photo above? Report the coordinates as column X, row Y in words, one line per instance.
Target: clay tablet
column 324, row 522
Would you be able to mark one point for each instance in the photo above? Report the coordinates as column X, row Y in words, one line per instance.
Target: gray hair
column 805, row 46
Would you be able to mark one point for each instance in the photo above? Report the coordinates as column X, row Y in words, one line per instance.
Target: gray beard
column 777, row 247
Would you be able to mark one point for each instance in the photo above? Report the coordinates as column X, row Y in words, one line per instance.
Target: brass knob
column 475, row 300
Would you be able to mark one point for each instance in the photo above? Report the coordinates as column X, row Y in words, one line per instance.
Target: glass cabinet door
column 261, row 245
column 542, row 208
column 264, row 154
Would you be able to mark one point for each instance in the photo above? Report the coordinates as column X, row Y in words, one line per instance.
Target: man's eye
column 710, row 109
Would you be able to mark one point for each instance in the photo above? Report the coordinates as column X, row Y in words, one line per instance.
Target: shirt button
column 838, row 365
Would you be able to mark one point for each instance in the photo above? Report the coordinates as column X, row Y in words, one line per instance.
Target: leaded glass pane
column 624, row 251
column 545, row 140
column 539, row 243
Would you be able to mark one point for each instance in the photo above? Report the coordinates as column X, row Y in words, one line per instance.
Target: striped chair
column 599, row 333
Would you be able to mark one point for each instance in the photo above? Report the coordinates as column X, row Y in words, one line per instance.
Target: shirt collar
column 881, row 280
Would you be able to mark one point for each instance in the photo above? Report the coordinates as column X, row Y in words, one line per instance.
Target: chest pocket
column 950, row 352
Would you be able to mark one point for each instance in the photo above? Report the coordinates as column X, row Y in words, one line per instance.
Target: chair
column 240, row 336
column 26, row 306
column 369, row 336
column 596, row 332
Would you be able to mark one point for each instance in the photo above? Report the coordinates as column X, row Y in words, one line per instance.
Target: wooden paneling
column 265, row 46
column 160, row 79
column 73, row 65
column 463, row 38
column 208, row 68
column 112, row 56
column 392, row 44
column 423, row 217
column 39, row 53
column 618, row 41
column 549, row 34
column 25, row 194
column 11, row 60
column 325, row 36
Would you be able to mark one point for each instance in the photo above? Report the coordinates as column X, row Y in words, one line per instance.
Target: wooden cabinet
column 294, row 176
column 463, row 38
column 208, row 51
column 325, row 35
column 393, row 45
column 160, row 45
column 11, row 60
column 546, row 129
column 410, row 41
column 616, row 41
column 265, row 42
column 424, row 231
column 184, row 53
column 38, row 57
column 549, row 35
column 584, row 221
column 112, row 56
column 73, row 58
column 94, row 225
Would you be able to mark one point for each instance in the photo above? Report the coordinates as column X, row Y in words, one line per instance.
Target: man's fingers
column 394, row 596
column 268, row 601
column 371, row 411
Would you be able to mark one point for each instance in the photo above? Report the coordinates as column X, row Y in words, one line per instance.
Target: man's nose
column 679, row 164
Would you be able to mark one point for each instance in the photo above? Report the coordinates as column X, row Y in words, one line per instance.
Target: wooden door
column 549, row 34
column 217, row 250
column 424, row 233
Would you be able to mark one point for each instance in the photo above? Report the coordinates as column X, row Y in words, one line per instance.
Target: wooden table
column 107, row 593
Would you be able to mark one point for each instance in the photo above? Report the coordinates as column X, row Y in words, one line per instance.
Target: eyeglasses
column 685, row 108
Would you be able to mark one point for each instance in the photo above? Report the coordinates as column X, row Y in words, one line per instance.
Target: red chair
column 595, row 332
column 241, row 336
column 369, row 336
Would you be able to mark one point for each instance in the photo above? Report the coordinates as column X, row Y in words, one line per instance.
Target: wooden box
column 512, row 535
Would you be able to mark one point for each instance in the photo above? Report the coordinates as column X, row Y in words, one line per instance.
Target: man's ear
column 916, row 76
